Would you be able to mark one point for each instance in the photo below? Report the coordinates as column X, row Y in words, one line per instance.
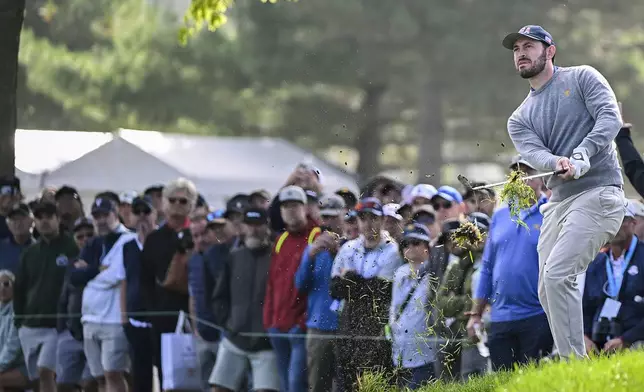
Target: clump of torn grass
column 517, row 194
column 467, row 236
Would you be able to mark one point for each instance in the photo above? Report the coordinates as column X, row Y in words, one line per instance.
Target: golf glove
column 580, row 161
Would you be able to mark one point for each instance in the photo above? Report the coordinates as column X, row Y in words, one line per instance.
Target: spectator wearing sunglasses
column 448, row 204
column 20, row 222
column 164, row 262
column 413, row 348
column 138, row 332
column 426, row 216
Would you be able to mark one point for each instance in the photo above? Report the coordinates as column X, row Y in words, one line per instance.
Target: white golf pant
column 573, row 232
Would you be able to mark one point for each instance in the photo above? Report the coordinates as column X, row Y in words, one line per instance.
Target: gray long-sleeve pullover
column 575, row 108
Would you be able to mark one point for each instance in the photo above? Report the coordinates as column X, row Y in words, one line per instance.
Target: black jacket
column 631, row 160
column 238, row 297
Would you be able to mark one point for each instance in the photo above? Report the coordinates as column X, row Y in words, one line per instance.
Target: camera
column 185, row 242
column 605, row 328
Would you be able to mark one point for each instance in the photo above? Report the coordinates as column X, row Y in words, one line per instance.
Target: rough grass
column 623, row 372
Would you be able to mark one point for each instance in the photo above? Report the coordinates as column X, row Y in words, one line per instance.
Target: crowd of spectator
column 303, row 290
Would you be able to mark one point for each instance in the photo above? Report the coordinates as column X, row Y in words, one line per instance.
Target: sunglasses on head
column 181, row 200
column 445, row 204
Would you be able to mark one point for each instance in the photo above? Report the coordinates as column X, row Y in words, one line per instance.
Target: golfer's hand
column 580, row 162
column 471, row 323
column 564, row 164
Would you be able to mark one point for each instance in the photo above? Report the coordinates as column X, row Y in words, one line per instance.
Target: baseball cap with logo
column 67, row 190
column 9, row 185
column 237, row 204
column 332, row 205
column 534, row 32
column 369, row 205
column 44, row 208
column 255, row 216
column 449, row 193
column 292, row 193
column 143, row 204
column 103, row 206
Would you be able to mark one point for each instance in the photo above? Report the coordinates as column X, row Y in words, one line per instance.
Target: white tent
column 219, row 166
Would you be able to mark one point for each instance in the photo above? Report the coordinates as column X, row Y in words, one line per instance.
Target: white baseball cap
column 518, row 160
column 425, row 191
column 391, row 210
column 635, row 208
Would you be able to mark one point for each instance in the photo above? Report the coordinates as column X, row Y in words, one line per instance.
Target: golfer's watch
column 578, row 156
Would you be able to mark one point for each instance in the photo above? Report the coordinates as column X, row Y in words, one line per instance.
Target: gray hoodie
column 10, row 350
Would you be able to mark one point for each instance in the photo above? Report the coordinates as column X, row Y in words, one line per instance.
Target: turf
column 618, row 373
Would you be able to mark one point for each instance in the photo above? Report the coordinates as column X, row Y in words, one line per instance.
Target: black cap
column 44, row 207
column 112, row 196
column 104, row 206
column 534, row 32
column 67, row 190
column 19, row 209
column 83, row 222
column 9, row 185
column 349, row 197
column 237, row 204
column 142, row 202
column 255, row 216
column 153, row 188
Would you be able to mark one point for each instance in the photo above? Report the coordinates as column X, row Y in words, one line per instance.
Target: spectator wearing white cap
column 125, row 208
column 422, row 194
column 392, row 221
column 638, row 212
column 284, row 306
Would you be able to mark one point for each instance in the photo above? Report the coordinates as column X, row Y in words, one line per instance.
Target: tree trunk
column 431, row 131
column 369, row 140
column 11, row 18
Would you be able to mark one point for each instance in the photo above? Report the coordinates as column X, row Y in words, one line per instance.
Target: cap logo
column 253, row 214
column 548, row 40
column 99, row 201
column 525, row 30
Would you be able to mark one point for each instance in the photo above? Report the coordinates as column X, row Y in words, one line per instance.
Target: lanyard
column 613, row 288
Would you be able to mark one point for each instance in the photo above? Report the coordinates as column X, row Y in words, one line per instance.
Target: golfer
column 567, row 122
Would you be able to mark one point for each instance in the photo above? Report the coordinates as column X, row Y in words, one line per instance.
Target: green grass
column 619, row 373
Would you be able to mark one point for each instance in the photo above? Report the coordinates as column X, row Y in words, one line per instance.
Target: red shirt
column 284, row 305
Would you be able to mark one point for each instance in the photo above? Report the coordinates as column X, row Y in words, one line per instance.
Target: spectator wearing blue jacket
column 313, row 278
column 615, row 282
column 201, row 283
column 519, row 330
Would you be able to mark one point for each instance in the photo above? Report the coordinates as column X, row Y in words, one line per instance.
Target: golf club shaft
column 552, row 173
